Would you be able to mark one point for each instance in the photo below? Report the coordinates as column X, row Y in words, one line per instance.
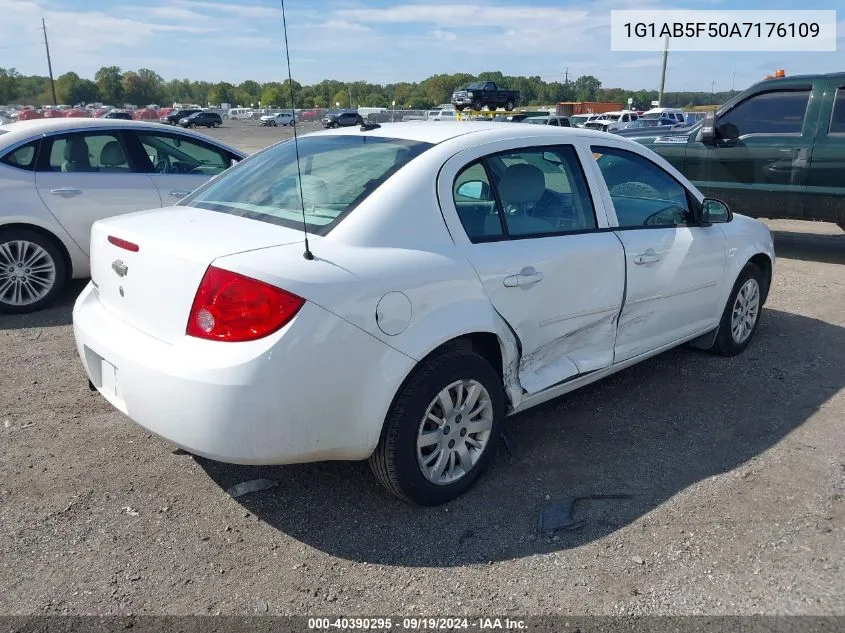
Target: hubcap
column 27, row 273
column 454, row 431
column 745, row 310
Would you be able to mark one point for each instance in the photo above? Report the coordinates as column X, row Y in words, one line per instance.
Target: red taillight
column 232, row 307
column 120, row 243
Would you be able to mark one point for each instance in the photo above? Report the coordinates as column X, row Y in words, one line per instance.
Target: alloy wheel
column 27, row 273
column 454, row 432
column 745, row 310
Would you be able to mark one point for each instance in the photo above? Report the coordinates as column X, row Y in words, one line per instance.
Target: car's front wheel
column 442, row 430
column 32, row 271
column 742, row 312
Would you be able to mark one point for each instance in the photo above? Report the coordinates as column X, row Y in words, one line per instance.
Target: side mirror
column 714, row 212
column 473, row 189
column 728, row 132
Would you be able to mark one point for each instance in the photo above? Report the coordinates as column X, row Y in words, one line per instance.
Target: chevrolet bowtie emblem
column 120, row 268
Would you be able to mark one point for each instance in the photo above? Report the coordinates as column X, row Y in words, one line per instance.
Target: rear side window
column 23, row 157
column 94, row 152
column 338, row 173
column 778, row 112
column 837, row 121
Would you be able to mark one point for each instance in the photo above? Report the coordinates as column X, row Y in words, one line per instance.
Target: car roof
column 25, row 130
column 482, row 131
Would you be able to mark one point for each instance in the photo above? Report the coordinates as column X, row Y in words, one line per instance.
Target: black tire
column 394, row 461
column 192, row 125
column 58, row 261
column 509, row 106
column 477, row 105
column 215, row 124
column 273, row 123
column 725, row 343
column 460, row 108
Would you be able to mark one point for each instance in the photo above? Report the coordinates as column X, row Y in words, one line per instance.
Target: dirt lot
column 734, row 471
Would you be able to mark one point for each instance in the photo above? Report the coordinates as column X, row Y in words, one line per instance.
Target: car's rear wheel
column 509, row 106
column 442, row 429
column 215, row 124
column 742, row 313
column 32, row 271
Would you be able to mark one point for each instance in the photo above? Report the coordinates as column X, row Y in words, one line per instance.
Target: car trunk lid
column 148, row 273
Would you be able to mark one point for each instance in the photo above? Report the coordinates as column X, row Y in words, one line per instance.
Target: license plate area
column 105, row 377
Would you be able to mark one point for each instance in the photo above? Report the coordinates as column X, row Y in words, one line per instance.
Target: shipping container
column 569, row 108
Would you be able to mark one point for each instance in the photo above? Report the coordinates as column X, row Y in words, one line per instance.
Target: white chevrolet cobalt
column 454, row 274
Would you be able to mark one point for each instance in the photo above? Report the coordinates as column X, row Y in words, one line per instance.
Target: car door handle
column 179, row 193
column 649, row 257
column 512, row 281
column 66, row 191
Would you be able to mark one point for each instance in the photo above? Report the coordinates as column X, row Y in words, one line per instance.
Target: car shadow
column 59, row 313
column 811, row 247
column 648, row 433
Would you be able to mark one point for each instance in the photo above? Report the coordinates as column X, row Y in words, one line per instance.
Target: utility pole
column 49, row 63
column 566, row 81
column 663, row 72
column 349, row 87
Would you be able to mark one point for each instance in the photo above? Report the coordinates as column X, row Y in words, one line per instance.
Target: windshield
column 338, row 173
column 537, row 120
column 477, row 85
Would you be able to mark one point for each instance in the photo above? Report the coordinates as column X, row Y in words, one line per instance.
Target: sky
column 379, row 41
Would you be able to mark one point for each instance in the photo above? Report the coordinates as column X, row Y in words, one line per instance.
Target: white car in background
column 58, row 176
column 445, row 115
column 612, row 121
column 453, row 275
column 580, row 120
column 278, row 118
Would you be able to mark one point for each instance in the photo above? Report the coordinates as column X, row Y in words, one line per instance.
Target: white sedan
column 453, row 275
column 278, row 118
column 58, row 176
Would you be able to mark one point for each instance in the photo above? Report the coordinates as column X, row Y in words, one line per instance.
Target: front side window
column 175, row 154
column 338, row 173
column 92, row 152
column 643, row 193
column 23, row 157
column 778, row 112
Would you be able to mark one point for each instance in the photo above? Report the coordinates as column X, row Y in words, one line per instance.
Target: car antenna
column 307, row 254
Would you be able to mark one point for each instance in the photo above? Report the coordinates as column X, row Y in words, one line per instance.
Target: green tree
column 274, row 94
column 110, row 84
column 586, row 88
column 72, row 90
column 9, row 80
column 222, row 92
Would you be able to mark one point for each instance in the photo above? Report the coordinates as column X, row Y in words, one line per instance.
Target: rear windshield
column 338, row 173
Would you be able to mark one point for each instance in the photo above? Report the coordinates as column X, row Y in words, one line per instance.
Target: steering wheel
column 162, row 166
column 635, row 190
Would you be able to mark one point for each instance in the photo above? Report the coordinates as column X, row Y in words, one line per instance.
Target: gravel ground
column 733, row 472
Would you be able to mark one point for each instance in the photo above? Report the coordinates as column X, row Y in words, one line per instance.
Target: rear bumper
column 318, row 389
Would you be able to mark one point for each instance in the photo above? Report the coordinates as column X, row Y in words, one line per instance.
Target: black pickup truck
column 775, row 151
column 484, row 93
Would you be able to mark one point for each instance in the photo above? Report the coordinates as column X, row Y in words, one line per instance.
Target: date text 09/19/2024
column 416, row 624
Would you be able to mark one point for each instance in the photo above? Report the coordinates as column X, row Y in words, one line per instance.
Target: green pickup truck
column 776, row 150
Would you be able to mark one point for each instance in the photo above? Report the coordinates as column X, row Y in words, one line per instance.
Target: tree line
column 114, row 86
